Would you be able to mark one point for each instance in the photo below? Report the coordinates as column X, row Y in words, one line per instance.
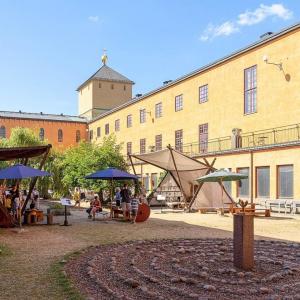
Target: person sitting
column 96, row 206
column 89, row 210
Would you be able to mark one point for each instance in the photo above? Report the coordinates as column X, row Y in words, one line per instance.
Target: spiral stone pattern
column 186, row 269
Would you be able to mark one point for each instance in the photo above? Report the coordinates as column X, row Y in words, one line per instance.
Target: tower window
column 124, row 87
column 100, row 86
column 112, row 86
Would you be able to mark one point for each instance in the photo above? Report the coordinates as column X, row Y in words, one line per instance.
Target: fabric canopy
column 22, row 152
column 183, row 172
column 111, row 173
column 20, row 172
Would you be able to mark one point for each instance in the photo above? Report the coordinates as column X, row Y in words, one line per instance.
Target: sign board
column 161, row 197
column 66, row 201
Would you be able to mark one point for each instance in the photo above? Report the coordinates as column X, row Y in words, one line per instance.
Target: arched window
column 2, row 132
column 60, row 135
column 77, row 136
column 42, row 134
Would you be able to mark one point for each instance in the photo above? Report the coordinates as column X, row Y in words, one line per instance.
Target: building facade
column 61, row 131
column 242, row 109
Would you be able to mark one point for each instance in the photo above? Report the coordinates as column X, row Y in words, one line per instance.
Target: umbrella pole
column 222, row 187
column 111, row 198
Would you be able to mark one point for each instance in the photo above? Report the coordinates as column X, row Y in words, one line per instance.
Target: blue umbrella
column 20, row 172
column 112, row 174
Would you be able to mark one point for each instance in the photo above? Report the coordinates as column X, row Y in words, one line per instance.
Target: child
column 134, row 208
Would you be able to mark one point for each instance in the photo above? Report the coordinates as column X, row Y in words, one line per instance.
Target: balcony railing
column 255, row 139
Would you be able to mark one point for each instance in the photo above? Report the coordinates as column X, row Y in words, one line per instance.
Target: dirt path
column 25, row 274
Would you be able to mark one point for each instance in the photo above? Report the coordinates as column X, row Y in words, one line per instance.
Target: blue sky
column 49, row 47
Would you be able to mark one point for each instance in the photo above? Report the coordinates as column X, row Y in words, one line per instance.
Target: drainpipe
column 251, row 177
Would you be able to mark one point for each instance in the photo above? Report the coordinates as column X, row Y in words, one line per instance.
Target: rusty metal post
column 243, row 241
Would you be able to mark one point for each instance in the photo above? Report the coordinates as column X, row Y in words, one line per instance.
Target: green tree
column 22, row 137
column 87, row 158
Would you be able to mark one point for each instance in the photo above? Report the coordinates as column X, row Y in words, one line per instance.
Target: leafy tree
column 22, row 137
column 87, row 158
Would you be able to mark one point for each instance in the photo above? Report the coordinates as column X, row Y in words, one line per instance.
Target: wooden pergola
column 24, row 154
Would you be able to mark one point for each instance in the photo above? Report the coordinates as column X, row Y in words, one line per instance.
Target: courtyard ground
column 28, row 259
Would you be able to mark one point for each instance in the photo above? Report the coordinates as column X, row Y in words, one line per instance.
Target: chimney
column 266, row 35
column 167, row 81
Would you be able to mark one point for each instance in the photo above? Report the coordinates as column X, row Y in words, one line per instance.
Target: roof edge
column 203, row 69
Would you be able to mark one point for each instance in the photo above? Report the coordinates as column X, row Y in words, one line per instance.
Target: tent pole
column 210, row 167
column 33, row 181
column 184, row 196
column 132, row 165
column 111, row 198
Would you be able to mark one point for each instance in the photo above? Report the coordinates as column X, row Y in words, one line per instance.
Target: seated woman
column 96, row 206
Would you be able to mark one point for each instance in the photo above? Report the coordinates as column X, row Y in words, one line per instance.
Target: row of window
column 42, row 134
column 250, row 100
column 203, row 141
column 285, row 186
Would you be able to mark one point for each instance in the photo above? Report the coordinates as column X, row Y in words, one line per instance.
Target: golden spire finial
column 104, row 57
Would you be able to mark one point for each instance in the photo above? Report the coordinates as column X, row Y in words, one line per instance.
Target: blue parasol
column 20, row 171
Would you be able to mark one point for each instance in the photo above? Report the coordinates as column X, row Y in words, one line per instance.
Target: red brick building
column 62, row 131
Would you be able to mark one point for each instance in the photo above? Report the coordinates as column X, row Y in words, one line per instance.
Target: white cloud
column 263, row 12
column 212, row 31
column 94, row 19
column 247, row 18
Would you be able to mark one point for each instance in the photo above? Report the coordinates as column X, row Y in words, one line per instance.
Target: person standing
column 126, row 207
column 76, row 197
column 135, row 201
column 118, row 197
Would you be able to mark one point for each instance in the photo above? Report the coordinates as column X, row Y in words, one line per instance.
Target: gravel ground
column 25, row 272
column 186, row 269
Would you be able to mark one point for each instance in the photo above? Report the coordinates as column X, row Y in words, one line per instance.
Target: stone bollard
column 243, row 241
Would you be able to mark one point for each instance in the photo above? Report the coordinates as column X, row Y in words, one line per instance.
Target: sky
column 49, row 47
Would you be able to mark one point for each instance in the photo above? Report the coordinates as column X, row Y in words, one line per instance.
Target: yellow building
column 242, row 109
column 103, row 91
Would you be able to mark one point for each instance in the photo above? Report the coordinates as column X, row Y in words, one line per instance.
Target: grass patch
column 62, row 282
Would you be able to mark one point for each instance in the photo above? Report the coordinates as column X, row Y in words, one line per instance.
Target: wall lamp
column 279, row 65
column 266, row 60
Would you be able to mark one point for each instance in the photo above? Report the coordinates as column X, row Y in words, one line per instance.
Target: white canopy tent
column 183, row 172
